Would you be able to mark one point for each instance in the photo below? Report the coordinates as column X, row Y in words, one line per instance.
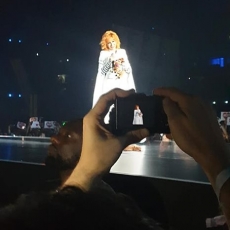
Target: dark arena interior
column 57, row 59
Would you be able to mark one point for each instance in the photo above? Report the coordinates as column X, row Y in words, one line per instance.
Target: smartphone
column 138, row 111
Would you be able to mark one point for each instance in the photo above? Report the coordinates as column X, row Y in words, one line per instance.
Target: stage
column 157, row 159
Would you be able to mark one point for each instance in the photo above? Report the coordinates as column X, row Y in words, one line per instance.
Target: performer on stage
column 114, row 70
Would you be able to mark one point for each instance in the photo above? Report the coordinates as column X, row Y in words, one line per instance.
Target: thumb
column 172, row 109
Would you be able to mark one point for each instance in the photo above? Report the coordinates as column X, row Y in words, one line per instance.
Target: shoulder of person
column 122, row 51
column 104, row 51
column 104, row 54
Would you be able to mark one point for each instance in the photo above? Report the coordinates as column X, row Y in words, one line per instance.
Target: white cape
column 107, row 80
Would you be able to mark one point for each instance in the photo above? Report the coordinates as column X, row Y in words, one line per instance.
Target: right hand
column 112, row 57
column 195, row 129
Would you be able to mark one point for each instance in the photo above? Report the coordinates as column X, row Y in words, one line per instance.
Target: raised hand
column 101, row 149
column 195, row 129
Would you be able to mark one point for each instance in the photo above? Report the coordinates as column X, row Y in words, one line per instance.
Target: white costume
column 137, row 117
column 107, row 79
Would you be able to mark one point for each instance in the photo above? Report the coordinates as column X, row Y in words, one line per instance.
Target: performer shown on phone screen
column 138, row 116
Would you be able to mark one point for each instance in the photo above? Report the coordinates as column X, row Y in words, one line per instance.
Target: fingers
column 106, row 100
column 172, row 93
column 172, row 109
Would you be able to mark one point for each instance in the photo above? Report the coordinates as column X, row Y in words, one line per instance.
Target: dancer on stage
column 114, row 70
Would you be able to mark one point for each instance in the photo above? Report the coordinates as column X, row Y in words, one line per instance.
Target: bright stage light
column 37, row 54
column 226, row 102
column 67, row 60
column 19, row 95
column 10, row 95
column 143, row 140
column 10, row 40
column 213, row 102
column 19, row 41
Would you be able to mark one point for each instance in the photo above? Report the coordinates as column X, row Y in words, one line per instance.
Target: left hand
column 101, row 149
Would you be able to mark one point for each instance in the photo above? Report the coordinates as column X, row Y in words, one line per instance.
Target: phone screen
column 140, row 111
column 135, row 112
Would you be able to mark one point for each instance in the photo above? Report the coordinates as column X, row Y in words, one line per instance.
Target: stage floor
column 156, row 160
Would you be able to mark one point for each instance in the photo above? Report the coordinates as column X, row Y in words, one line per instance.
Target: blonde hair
column 109, row 34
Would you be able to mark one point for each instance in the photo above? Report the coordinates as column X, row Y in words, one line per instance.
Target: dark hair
column 69, row 208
